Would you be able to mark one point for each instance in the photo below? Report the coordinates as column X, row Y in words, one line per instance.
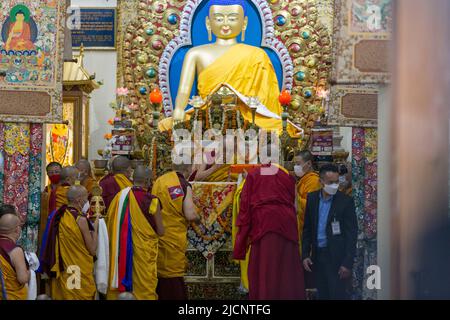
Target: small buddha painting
column 28, row 42
column 19, row 31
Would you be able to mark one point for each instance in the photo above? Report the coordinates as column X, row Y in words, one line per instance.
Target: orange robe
column 20, row 41
column 89, row 183
column 310, row 182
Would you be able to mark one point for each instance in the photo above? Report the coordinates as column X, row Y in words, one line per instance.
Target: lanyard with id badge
column 335, row 227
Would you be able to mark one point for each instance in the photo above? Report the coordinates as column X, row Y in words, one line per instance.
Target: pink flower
column 122, row 91
column 133, row 107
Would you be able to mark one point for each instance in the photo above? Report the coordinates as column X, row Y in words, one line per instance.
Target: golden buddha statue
column 247, row 69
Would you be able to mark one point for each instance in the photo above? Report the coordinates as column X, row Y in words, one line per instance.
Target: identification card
column 336, row 228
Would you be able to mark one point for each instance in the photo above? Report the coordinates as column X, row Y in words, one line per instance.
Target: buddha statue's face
column 226, row 22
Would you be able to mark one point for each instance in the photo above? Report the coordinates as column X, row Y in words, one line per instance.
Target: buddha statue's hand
column 178, row 115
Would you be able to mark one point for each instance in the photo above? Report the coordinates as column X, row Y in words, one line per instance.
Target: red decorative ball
column 285, row 98
column 156, row 96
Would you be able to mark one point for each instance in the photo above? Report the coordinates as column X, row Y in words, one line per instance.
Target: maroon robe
column 110, row 189
column 267, row 220
column 144, row 199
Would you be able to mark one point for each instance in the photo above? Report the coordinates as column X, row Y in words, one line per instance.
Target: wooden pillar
column 419, row 133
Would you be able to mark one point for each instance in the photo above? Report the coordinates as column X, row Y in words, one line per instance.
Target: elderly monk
column 267, row 221
column 72, row 241
column 13, row 265
column 134, row 227
column 117, row 180
column 85, row 175
column 309, row 181
column 178, row 210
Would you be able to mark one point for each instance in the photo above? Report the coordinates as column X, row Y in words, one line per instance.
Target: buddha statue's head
column 226, row 19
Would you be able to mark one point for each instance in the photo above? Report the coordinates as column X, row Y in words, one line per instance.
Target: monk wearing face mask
column 308, row 182
column 48, row 199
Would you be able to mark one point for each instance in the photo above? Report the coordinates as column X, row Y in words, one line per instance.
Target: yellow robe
column 172, row 261
column 88, row 184
column 14, row 290
column 61, row 196
column 122, row 181
column 310, row 182
column 243, row 264
column 247, row 69
column 70, row 246
column 145, row 249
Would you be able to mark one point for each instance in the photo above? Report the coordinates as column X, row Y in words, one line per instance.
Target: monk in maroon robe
column 267, row 221
column 117, row 180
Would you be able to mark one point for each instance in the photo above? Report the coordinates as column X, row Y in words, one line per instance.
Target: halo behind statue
column 23, row 9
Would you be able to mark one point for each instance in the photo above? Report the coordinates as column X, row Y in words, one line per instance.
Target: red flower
column 156, row 96
column 285, row 97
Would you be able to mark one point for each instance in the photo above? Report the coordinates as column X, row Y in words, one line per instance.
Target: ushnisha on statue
column 244, row 69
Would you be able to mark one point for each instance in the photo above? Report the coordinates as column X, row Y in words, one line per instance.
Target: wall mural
column 31, row 49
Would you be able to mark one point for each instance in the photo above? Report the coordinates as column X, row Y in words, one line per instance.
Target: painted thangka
column 20, row 175
column 364, row 179
column 31, row 60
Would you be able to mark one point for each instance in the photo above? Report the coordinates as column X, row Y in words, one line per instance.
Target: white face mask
column 298, row 169
column 86, row 207
column 331, row 189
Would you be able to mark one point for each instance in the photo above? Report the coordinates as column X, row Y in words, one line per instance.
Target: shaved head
column 83, row 165
column 69, row 175
column 76, row 192
column 305, row 155
column 9, row 223
column 142, row 174
column 84, row 169
column 121, row 164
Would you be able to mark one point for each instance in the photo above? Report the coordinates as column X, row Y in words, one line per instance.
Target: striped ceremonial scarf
column 123, row 246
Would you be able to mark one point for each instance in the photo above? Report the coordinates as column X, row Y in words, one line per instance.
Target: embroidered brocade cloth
column 214, row 203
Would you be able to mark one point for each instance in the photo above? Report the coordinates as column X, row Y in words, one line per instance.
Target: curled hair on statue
column 228, row 3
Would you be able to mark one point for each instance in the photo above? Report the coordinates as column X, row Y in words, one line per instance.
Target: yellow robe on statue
column 70, row 246
column 310, row 182
column 145, row 248
column 172, row 261
column 248, row 70
column 243, row 264
column 14, row 290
